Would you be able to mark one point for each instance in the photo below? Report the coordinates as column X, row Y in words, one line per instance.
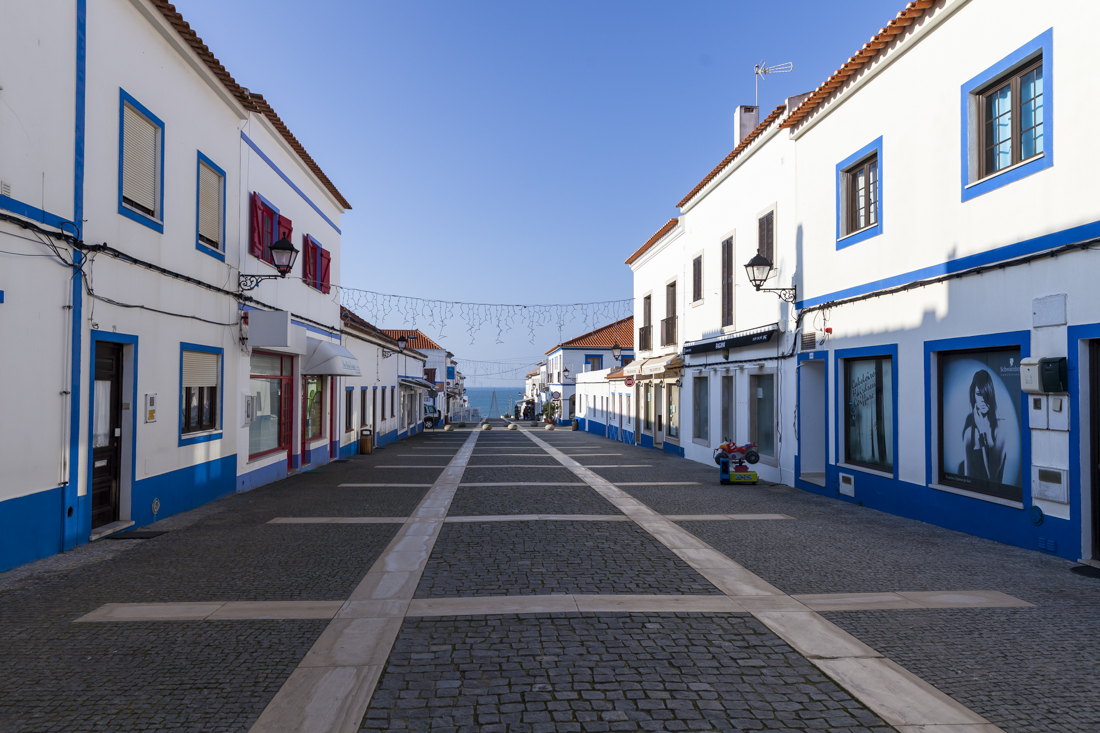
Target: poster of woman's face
column 980, row 444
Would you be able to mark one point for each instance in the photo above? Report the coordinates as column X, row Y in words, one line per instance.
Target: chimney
column 745, row 121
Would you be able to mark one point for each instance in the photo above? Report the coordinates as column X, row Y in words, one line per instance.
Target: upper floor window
column 697, row 279
column 1011, row 119
column 141, row 164
column 211, row 205
column 727, row 282
column 859, row 195
column 765, row 243
column 862, row 195
column 268, row 227
column 595, row 363
column 316, row 265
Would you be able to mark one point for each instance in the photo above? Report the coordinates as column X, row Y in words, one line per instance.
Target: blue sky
column 518, row 151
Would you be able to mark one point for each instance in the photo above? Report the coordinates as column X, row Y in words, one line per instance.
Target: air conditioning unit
column 809, row 340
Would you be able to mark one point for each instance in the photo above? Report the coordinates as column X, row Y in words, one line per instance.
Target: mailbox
column 1044, row 375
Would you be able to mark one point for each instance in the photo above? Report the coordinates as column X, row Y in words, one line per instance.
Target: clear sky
column 518, row 152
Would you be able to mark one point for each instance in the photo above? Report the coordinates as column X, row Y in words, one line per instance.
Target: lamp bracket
column 789, row 295
column 251, row 282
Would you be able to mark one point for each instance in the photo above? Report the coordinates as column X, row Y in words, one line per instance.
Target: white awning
column 327, row 358
column 634, row 368
column 414, row 382
column 662, row 364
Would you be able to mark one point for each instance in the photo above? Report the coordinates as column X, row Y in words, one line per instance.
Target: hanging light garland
column 499, row 317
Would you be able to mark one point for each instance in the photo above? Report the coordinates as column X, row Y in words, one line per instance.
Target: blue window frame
column 154, row 220
column 973, row 184
column 595, row 362
column 205, row 243
column 214, row 433
column 864, row 183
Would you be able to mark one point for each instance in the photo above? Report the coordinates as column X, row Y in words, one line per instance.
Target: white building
column 915, row 214
column 437, row 359
column 138, row 178
column 589, row 352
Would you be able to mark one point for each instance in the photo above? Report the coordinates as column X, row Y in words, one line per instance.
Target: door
column 286, row 418
column 620, row 435
column 333, row 425
column 374, row 417
column 106, row 433
column 659, row 413
column 1094, row 407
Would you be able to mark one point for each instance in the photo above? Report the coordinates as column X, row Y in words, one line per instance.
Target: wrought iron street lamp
column 565, row 373
column 759, row 269
column 401, row 341
column 283, row 255
column 616, row 351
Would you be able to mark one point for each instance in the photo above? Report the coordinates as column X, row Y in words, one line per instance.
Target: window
column 349, row 394
column 316, row 265
column 647, row 414
column 980, row 435
column 727, row 282
column 211, row 206
column 765, row 242
column 314, row 407
column 645, row 333
column 762, row 413
column 1008, row 119
column 697, row 279
column 673, row 410
column 862, row 191
column 700, row 404
column 668, row 325
column 363, row 407
column 269, row 385
column 869, row 423
column 594, row 362
column 200, row 378
column 268, row 226
column 629, row 414
column 382, row 415
column 1011, row 112
column 728, row 408
column 141, row 164
column 393, row 396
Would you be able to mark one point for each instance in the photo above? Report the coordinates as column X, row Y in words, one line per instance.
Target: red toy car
column 738, row 455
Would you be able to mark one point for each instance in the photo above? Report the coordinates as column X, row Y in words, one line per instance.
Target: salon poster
column 980, row 436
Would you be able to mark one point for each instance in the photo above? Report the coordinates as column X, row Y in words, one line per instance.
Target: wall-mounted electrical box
column 1057, row 412
column 151, row 407
column 1050, row 484
column 1037, row 411
column 1044, row 375
column 847, row 485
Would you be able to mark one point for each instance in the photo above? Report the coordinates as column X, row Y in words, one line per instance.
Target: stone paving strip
column 523, row 483
column 387, row 486
column 826, row 600
column 332, row 686
column 897, row 696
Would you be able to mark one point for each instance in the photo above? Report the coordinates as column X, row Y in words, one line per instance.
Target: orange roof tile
column 350, row 318
column 652, row 240
column 755, row 133
column 249, row 100
column 604, row 337
column 415, row 338
column 870, row 50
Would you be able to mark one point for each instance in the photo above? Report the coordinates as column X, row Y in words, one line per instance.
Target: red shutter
column 325, row 261
column 309, row 263
column 257, row 248
column 286, row 228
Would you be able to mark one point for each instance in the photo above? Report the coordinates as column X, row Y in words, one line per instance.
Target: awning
column 634, row 368
column 616, row 374
column 414, row 382
column 662, row 364
column 327, row 358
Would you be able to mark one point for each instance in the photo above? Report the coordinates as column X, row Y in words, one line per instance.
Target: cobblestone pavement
column 1024, row 669
column 550, row 557
column 604, row 672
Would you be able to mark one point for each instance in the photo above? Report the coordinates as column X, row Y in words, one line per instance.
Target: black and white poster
column 980, row 428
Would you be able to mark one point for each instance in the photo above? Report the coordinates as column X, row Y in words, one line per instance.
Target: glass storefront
column 869, row 428
column 762, row 413
column 673, row 410
column 314, row 407
column 269, row 385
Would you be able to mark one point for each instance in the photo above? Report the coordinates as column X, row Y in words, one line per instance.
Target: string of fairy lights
column 499, row 319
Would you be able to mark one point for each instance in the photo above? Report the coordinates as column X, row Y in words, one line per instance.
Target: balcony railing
column 668, row 331
column 645, row 338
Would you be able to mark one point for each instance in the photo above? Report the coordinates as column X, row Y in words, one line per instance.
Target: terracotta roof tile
column 652, row 240
column 870, row 50
column 604, row 337
column 416, row 338
column 250, row 101
column 350, row 318
column 755, row 133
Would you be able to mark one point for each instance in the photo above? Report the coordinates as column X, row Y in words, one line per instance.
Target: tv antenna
column 762, row 70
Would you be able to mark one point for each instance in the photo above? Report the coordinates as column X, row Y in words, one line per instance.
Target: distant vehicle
column 432, row 416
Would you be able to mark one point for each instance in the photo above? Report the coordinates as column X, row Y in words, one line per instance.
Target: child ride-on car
column 738, row 455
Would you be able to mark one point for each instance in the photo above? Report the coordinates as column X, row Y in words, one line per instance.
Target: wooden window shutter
column 309, row 263
column 727, row 282
column 325, row 267
column 139, row 161
column 647, row 311
column 200, row 369
column 697, row 279
column 286, row 228
column 210, row 206
column 257, row 248
column 766, row 237
column 670, row 300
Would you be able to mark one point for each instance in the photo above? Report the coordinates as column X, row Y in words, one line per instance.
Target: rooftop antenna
column 762, row 70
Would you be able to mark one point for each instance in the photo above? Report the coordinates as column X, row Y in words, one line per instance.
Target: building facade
column 589, row 352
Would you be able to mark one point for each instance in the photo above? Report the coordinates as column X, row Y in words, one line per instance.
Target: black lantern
column 565, row 372
column 616, row 351
column 401, row 341
column 759, row 269
column 283, row 255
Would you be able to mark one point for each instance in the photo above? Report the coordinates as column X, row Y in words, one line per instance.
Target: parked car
column 432, row 416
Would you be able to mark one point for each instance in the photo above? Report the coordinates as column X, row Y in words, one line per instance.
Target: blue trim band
column 30, row 212
column 1041, row 45
column 152, row 222
column 218, row 434
column 289, row 182
column 199, row 244
column 998, row 254
column 841, row 169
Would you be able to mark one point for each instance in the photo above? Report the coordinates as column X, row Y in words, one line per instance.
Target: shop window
column 762, row 413
column 673, row 428
column 383, row 413
column 200, row 378
column 393, row 398
column 980, row 428
column 349, row 402
column 700, row 404
column 270, row 386
column 648, row 410
column 869, row 425
column 314, row 393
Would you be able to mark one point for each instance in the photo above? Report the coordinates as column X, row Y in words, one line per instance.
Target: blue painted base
column 346, row 451
column 261, row 476
column 30, row 527
column 647, row 441
column 673, row 449
column 317, row 456
column 183, row 489
column 386, row 438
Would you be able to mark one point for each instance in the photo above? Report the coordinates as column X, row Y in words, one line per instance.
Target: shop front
column 657, row 384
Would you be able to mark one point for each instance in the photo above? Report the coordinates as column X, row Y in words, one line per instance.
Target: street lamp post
column 759, row 269
column 283, row 255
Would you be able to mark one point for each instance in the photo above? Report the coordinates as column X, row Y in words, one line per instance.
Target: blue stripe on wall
column 263, row 475
column 289, row 182
column 183, row 489
column 29, row 529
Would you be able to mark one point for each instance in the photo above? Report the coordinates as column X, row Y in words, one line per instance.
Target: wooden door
column 106, row 433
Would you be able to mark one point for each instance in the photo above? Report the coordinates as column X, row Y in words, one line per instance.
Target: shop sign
column 731, row 343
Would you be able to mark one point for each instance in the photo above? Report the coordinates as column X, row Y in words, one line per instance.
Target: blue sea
column 481, row 397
